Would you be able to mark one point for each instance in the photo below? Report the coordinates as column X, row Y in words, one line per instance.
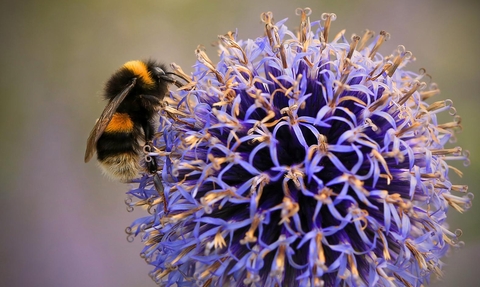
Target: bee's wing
column 104, row 119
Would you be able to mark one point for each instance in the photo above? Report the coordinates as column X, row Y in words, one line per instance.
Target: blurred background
column 62, row 223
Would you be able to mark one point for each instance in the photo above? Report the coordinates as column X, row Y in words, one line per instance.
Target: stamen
column 353, row 265
column 386, row 251
column 289, row 209
column 404, row 99
column 379, row 103
column 439, row 106
column 397, row 200
column 219, row 241
column 456, row 170
column 418, row 256
column 453, row 187
column 384, row 69
column 456, row 124
column 294, row 174
column 208, row 282
column 382, row 38
column 353, row 45
column 366, row 36
column 176, row 217
column 325, row 195
column 395, row 153
column 398, row 60
column 283, row 56
column 328, row 18
column 229, row 42
column 304, row 23
column 407, row 129
column 321, row 147
column 339, row 36
column 211, row 269
column 458, row 203
column 384, row 164
column 249, row 235
column 204, row 59
column 404, row 281
column 185, row 251
column 321, row 252
column 451, row 151
column 278, row 267
column 434, row 90
column 270, row 28
column 341, row 86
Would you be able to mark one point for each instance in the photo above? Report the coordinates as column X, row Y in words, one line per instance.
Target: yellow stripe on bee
column 139, row 69
column 120, row 123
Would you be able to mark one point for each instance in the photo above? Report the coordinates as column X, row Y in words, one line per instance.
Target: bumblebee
column 126, row 125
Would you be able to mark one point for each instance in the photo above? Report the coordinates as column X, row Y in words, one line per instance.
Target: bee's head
column 151, row 77
column 160, row 75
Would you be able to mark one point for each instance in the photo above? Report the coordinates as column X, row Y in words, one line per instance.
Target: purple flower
column 301, row 159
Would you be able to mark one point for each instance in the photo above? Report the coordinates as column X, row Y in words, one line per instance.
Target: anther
column 397, row 61
column 229, row 42
column 459, row 188
column 283, row 56
column 353, row 45
column 328, row 18
column 304, row 23
column 404, row 99
column 378, row 103
column 382, row 38
column 204, row 59
column 180, row 73
column 270, row 27
column 433, row 90
column 366, row 36
column 341, row 86
column 456, row 124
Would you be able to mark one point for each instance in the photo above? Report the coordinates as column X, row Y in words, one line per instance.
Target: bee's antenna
column 174, row 81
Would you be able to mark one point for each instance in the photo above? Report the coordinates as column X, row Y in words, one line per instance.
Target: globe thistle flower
column 301, row 159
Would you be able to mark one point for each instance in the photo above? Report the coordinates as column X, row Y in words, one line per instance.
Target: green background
column 62, row 223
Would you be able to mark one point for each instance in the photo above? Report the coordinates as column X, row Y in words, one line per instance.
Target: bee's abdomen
column 120, row 123
column 117, row 149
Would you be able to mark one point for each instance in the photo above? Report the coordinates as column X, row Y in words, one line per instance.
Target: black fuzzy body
column 119, row 148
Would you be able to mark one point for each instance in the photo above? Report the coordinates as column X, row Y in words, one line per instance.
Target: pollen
column 139, row 69
column 120, row 123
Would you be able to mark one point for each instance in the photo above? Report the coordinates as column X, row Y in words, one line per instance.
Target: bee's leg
column 149, row 100
column 157, row 182
column 151, row 161
column 149, row 132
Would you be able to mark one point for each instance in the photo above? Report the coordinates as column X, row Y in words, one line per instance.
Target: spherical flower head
column 301, row 159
